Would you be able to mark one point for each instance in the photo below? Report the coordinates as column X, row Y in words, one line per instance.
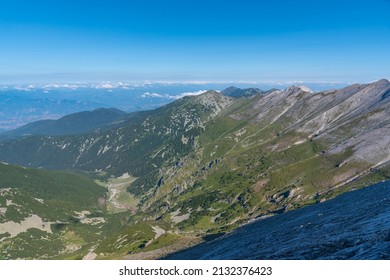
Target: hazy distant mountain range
column 195, row 168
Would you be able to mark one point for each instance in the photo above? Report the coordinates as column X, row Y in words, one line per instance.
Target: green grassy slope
column 51, row 214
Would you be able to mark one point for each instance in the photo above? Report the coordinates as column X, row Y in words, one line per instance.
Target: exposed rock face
column 214, row 101
column 356, row 116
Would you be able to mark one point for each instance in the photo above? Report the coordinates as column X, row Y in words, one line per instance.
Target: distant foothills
column 104, row 183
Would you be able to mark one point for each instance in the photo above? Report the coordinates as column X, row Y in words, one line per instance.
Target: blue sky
column 347, row 41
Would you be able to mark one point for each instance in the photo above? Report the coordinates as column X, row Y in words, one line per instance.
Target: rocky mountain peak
column 299, row 88
column 236, row 92
column 378, row 90
column 213, row 99
column 381, row 83
column 210, row 92
column 229, row 89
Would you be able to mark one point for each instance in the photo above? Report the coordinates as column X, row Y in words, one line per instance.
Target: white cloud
column 59, row 86
column 153, row 94
column 187, row 94
column 168, row 96
column 22, row 88
column 107, row 86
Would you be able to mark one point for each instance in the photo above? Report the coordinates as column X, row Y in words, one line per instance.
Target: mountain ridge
column 206, row 164
column 235, row 92
column 76, row 123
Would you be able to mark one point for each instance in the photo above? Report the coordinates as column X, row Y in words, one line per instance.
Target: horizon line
column 185, row 82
